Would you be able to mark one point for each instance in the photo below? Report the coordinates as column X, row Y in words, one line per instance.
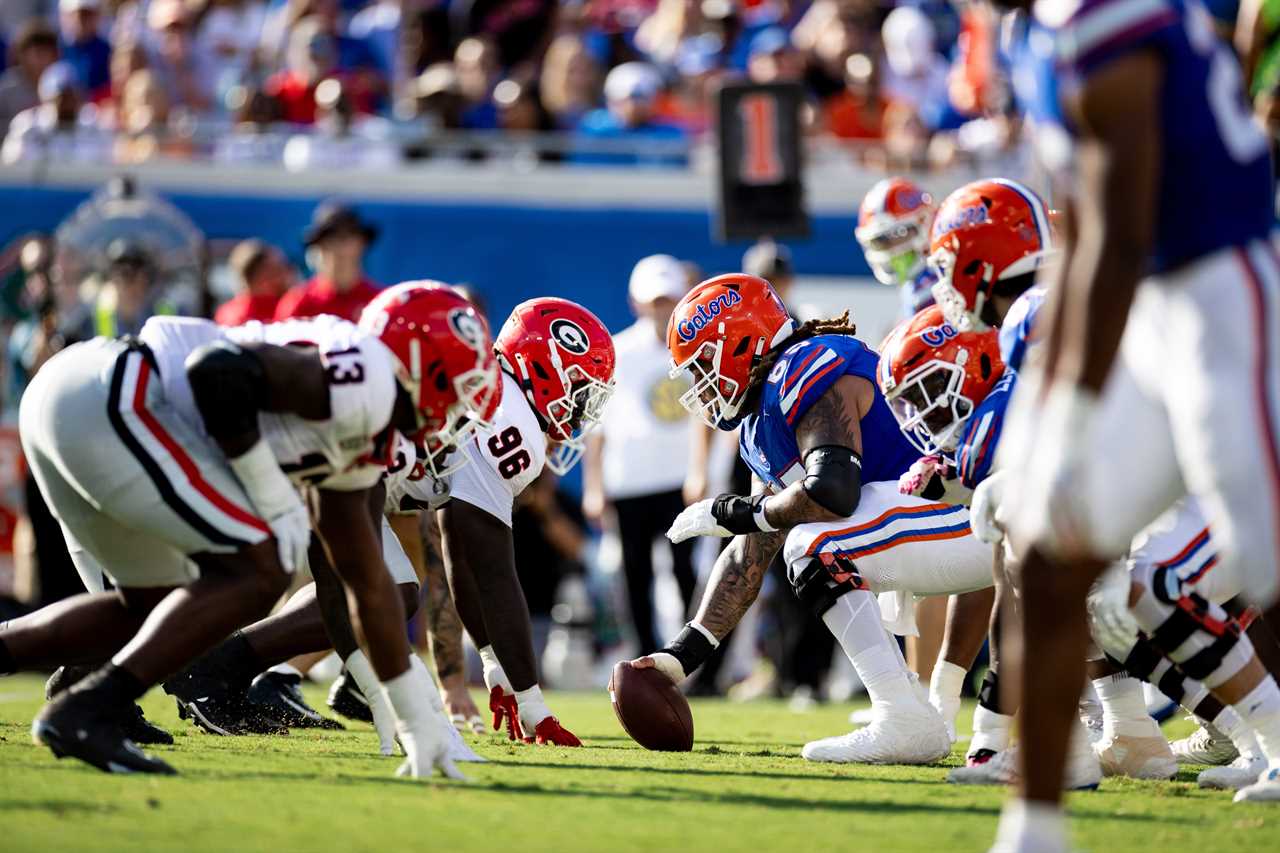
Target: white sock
column 946, row 682
column 408, row 695
column 854, row 620
column 286, row 669
column 1030, row 825
column 1124, row 708
column 1230, row 724
column 533, row 709
column 990, row 730
column 494, row 674
column 1261, row 711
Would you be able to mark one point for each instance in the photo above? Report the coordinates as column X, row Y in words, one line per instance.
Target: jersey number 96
column 505, row 447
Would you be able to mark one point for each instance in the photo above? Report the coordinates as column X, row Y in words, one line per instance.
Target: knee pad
column 1205, row 643
column 819, row 581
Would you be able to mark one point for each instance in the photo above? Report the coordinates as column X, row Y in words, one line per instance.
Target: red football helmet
column 893, row 229
column 718, row 332
column 562, row 356
column 444, row 359
column 984, row 232
column 933, row 375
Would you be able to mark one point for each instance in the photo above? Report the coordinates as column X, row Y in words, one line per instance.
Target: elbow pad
column 229, row 387
column 833, row 478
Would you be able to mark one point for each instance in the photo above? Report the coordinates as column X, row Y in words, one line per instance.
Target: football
column 651, row 709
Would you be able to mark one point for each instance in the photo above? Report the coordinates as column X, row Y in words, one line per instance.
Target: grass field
column 743, row 788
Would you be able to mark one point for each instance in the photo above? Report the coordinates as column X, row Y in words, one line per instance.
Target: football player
column 827, row 454
column 893, row 230
column 1159, row 364
column 209, row 435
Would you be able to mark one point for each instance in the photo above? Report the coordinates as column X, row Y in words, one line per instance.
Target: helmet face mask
column 893, row 230
column 930, row 408
column 713, row 398
column 574, row 415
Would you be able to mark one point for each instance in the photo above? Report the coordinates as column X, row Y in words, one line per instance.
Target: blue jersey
column 1215, row 187
column 976, row 450
column 802, row 374
column 1016, row 332
column 917, row 294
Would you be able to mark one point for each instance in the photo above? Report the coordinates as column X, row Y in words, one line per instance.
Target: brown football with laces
column 651, row 709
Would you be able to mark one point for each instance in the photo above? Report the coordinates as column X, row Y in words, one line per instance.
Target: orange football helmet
column 933, row 376
column 718, row 332
column 985, row 232
column 893, row 229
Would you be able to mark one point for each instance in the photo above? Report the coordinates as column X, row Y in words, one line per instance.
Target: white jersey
column 504, row 460
column 342, row 452
column 410, row 487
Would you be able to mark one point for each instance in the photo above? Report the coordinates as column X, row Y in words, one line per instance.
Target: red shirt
column 245, row 307
column 296, row 96
column 319, row 296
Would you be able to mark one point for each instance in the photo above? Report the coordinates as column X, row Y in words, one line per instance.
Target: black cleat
column 218, row 708
column 279, row 695
column 76, row 725
column 346, row 699
column 135, row 725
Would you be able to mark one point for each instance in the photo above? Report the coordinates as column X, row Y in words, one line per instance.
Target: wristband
column 740, row 515
column 692, row 646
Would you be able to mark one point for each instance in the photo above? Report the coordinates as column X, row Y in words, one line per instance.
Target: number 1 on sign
column 761, row 160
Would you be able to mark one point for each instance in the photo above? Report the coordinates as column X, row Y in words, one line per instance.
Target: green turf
column 744, row 787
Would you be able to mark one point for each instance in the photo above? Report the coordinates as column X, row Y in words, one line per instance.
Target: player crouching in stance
column 816, row 430
column 202, row 438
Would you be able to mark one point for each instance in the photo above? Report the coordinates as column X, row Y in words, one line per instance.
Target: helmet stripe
column 1038, row 212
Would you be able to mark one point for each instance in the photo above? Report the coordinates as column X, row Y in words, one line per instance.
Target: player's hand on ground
column 426, row 749
column 462, row 710
column 550, row 732
column 506, row 711
column 663, row 662
column 1110, row 617
column 696, row 520
column 984, row 513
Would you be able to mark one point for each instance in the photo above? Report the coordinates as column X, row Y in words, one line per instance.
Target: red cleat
column 505, row 708
column 549, row 731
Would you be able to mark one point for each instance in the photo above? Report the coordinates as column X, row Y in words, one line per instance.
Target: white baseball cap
column 657, row 276
column 632, row 80
column 70, row 6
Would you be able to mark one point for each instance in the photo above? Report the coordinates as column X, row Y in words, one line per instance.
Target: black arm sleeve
column 833, row 478
column 229, row 386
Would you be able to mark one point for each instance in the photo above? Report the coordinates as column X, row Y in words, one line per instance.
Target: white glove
column 384, row 719
column 984, row 513
column 277, row 501
column 664, row 663
column 422, row 730
column 1112, row 622
column 457, row 747
column 696, row 520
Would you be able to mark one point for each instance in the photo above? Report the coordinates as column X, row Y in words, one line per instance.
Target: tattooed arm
column 735, row 580
column 832, row 420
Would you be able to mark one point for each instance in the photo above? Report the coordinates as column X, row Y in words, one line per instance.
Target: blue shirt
column 918, row 294
column 91, row 60
column 602, row 124
column 801, row 375
column 1215, row 172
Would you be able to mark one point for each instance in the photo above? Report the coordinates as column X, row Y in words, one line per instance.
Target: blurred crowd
column 319, row 84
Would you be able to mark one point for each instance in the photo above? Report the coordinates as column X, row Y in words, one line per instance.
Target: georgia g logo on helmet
column 468, row 328
column 570, row 336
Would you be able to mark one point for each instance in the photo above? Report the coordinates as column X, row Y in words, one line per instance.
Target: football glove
column 277, row 501
column 550, row 732
column 984, row 513
column 1111, row 620
column 506, row 710
column 726, row 515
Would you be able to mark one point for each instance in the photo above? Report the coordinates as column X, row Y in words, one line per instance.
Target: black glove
column 739, row 515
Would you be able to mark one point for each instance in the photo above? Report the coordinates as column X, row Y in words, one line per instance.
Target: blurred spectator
column 772, row 262
column 83, row 48
column 636, row 461
column 629, row 91
column 61, row 128
column 674, row 22
column 689, row 103
column 34, row 49
column 130, row 293
column 253, row 137
column 570, row 84
column 378, row 25
column 519, row 108
column 355, row 60
column 143, row 117
column 914, row 80
column 312, row 57
column 228, row 33
column 263, row 275
column 519, row 30
column 126, row 58
column 340, row 139
column 476, row 64
column 773, row 59
column 425, row 39
column 182, row 67
column 857, row 112
column 336, row 243
column 437, row 98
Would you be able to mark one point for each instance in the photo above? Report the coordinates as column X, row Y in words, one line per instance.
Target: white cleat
column 1206, row 745
column 894, row 736
column 1136, row 757
column 1241, row 773
column 1266, row 789
column 1084, row 772
column 1097, row 731
column 862, row 717
column 460, row 750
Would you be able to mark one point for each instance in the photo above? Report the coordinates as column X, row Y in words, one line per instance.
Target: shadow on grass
column 699, row 771
column 56, row 807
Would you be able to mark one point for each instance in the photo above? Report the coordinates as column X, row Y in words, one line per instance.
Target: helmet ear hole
column 540, row 371
column 442, row 381
column 972, row 267
column 741, row 348
column 984, row 364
